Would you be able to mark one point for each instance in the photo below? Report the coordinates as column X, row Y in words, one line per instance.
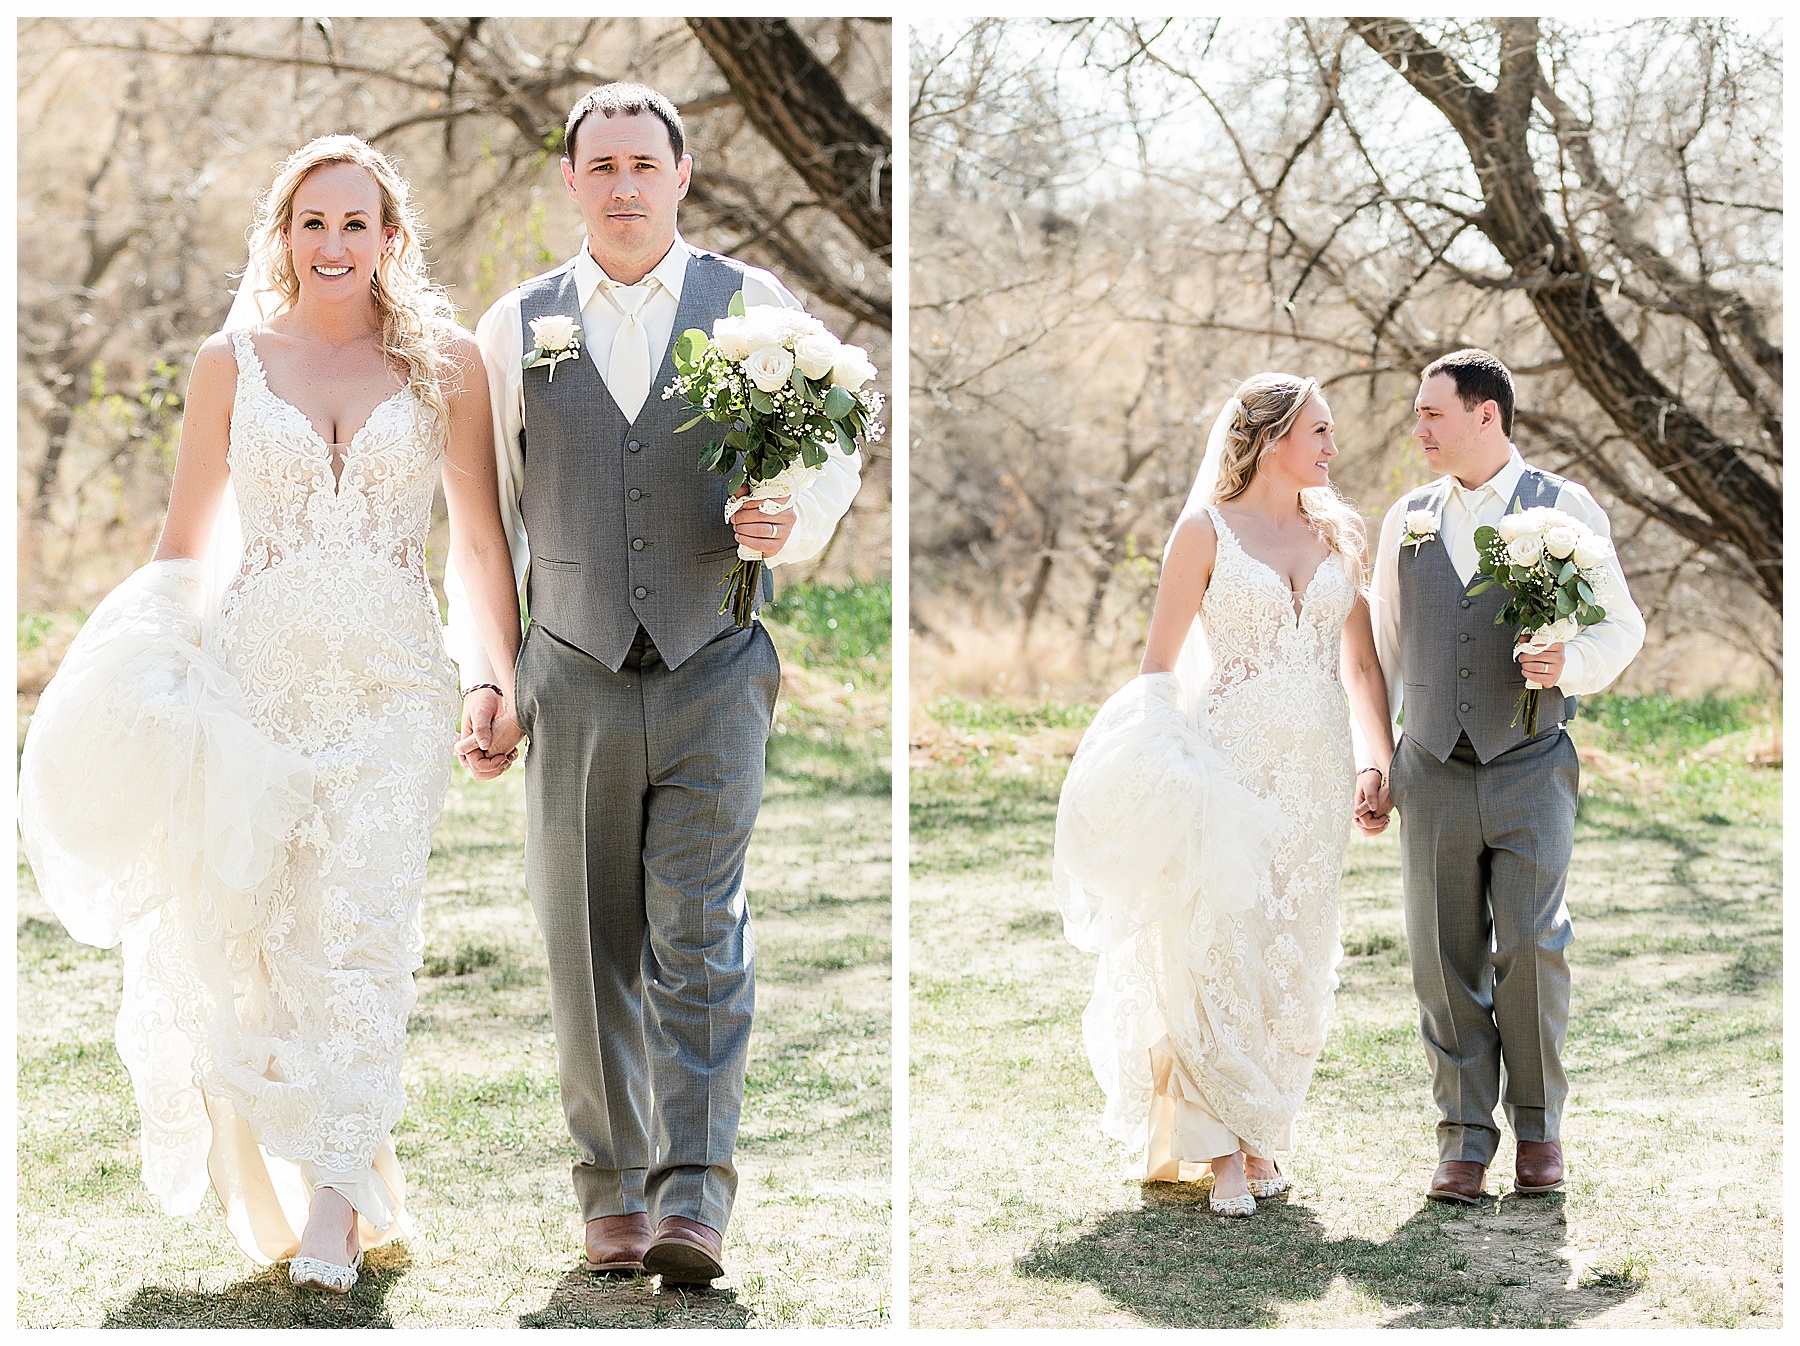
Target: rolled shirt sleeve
column 1596, row 655
column 1384, row 608
column 821, row 504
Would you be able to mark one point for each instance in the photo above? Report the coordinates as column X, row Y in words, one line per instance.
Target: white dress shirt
column 1597, row 654
column 818, row 507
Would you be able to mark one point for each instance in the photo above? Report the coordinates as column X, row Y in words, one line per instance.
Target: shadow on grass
column 267, row 1300
column 1175, row 1264
column 582, row 1299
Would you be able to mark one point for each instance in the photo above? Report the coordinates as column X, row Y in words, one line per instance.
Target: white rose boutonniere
column 555, row 338
column 1421, row 527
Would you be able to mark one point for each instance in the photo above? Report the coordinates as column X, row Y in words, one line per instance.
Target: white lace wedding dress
column 1199, row 844
column 250, row 813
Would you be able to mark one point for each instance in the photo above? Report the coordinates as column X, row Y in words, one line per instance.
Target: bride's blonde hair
column 1268, row 406
column 417, row 317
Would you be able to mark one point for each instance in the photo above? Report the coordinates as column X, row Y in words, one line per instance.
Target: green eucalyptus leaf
column 1485, row 535
column 1480, row 586
column 762, row 402
column 689, row 347
column 1567, row 573
column 838, row 403
column 736, row 307
column 845, row 443
column 689, row 425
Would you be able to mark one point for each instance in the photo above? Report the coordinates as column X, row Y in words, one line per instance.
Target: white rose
column 852, row 369
column 1541, row 517
column 1560, row 541
column 1591, row 551
column 729, row 336
column 764, row 325
column 816, row 353
column 1421, row 523
column 1525, row 549
column 1510, row 526
column 769, row 367
column 554, row 332
column 796, row 323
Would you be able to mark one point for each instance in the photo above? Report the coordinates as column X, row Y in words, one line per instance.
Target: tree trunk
column 1721, row 482
column 797, row 104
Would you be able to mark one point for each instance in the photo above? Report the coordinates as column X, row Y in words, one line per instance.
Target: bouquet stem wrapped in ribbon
column 1552, row 565
column 789, row 393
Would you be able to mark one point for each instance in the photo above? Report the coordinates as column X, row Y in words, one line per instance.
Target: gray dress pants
column 641, row 790
column 1484, row 858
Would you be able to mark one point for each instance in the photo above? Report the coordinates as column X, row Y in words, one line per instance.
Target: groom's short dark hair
column 1479, row 377
column 624, row 100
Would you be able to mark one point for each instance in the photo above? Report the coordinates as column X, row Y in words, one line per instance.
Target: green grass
column 1022, row 1214
column 496, row 1231
column 837, row 624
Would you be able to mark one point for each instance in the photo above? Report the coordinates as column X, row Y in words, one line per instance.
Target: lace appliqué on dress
column 1238, row 993
column 286, row 1001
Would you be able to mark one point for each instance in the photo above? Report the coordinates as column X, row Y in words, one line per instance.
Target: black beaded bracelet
column 484, row 687
column 1380, row 774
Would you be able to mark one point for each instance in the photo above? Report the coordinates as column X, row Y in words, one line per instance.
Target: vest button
column 635, row 494
column 1465, row 602
column 637, row 544
column 642, row 592
column 633, row 445
column 1462, row 672
column 1464, row 708
column 1464, row 637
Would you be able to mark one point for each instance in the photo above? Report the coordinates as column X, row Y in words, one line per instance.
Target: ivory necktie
column 628, row 368
column 1479, row 506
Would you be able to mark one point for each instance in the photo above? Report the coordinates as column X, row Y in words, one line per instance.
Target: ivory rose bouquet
column 788, row 392
column 1553, row 566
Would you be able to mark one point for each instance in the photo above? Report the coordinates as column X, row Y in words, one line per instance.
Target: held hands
column 763, row 533
column 1542, row 668
column 1373, row 806
column 490, row 734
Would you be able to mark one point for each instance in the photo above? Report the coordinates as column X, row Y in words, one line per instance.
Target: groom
column 1487, row 814
column 647, row 710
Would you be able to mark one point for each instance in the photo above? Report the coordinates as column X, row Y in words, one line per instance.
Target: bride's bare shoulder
column 215, row 368
column 1195, row 531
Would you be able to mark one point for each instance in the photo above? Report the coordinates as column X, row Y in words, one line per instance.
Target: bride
column 238, row 779
column 1204, row 820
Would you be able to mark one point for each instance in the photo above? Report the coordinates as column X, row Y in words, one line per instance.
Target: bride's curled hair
column 1267, row 407
column 417, row 317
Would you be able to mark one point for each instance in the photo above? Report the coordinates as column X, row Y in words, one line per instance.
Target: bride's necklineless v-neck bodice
column 1256, row 625
column 297, row 493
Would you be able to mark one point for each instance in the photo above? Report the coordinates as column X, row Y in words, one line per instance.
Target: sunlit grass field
column 1022, row 1215
column 496, row 1230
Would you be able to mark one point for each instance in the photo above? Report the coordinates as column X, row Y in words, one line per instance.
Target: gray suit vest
column 625, row 529
column 1456, row 664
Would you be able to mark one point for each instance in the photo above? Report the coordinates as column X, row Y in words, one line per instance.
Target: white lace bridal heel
column 315, row 1273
